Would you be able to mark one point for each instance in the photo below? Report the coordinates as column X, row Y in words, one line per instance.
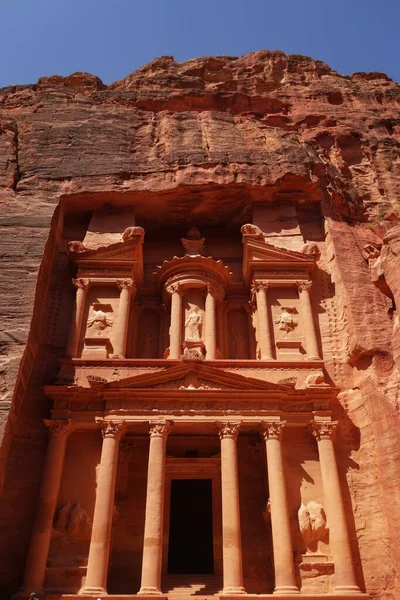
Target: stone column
column 211, row 333
column 339, row 539
column 304, row 288
column 35, row 566
column 265, row 333
column 76, row 325
column 175, row 328
column 154, row 517
column 231, row 535
column 285, row 579
column 126, row 286
column 99, row 551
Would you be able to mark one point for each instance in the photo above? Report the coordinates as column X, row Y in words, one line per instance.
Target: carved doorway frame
column 195, row 468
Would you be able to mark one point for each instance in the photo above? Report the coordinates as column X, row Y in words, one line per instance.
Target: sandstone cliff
column 211, row 132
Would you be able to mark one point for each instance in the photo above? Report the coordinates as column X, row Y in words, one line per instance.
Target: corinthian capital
column 81, row 283
column 159, row 428
column 304, row 286
column 59, row 427
column 172, row 288
column 229, row 429
column 257, row 286
column 324, row 430
column 125, row 284
column 273, row 430
column 112, row 429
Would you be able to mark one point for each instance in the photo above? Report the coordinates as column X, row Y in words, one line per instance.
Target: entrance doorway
column 190, row 548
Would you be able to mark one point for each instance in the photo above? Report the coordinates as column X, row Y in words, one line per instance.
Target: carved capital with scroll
column 257, row 286
column 59, row 427
column 112, row 429
column 229, row 429
column 324, row 430
column 125, row 284
column 80, row 283
column 160, row 428
column 172, row 288
column 272, row 430
column 304, row 286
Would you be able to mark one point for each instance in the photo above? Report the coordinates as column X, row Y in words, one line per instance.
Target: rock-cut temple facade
column 200, row 343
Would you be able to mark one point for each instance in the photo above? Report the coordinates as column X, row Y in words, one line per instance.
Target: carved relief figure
column 72, row 520
column 286, row 321
column 194, row 324
column 99, row 320
column 312, row 522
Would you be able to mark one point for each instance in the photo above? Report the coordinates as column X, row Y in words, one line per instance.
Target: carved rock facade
column 209, row 391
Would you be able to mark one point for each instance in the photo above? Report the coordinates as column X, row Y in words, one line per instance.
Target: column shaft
column 99, row 551
column 154, row 517
column 35, row 566
column 285, row 579
column 231, row 534
column 175, row 329
column 121, row 330
column 308, row 320
column 339, row 539
column 211, row 334
column 78, row 311
column 264, row 323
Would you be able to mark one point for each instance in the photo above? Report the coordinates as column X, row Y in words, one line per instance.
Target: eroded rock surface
column 210, row 137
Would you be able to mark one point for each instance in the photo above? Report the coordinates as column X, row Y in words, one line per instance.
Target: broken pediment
column 276, row 262
column 196, row 376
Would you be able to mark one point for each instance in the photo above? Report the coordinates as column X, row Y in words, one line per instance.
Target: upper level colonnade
column 195, row 307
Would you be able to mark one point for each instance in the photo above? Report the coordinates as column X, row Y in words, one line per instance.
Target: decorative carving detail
column 316, row 380
column 172, row 288
column 196, row 353
column 312, row 522
column 125, row 284
column 76, row 247
column 273, row 430
column 324, row 430
column 81, row 283
column 133, row 233
column 252, row 231
column 72, row 520
column 289, row 381
column 230, row 429
column 160, row 428
column 193, row 242
column 286, row 321
column 126, row 449
column 58, row 427
column 303, row 286
column 311, row 249
column 112, row 428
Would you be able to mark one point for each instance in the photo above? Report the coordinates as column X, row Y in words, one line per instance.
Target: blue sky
column 111, row 38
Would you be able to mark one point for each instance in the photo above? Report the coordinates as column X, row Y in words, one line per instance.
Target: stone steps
column 192, row 585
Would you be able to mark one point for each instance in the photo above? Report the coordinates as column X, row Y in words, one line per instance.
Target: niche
column 148, row 334
column 238, row 334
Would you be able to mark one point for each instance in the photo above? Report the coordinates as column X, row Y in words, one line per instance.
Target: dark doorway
column 190, row 547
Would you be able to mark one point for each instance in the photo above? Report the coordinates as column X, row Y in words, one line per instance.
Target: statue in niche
column 194, row 324
column 286, row 321
column 193, row 242
column 99, row 320
column 312, row 522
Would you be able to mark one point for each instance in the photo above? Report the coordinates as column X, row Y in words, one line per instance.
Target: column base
column 347, row 589
column 150, row 591
column 92, row 591
column 285, row 590
column 233, row 591
column 314, row 358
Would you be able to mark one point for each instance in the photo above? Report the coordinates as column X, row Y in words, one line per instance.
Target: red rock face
column 209, row 139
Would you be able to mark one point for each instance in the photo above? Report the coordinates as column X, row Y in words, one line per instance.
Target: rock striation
column 211, row 137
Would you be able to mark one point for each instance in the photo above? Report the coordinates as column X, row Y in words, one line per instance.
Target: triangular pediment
column 258, row 250
column 192, row 377
column 259, row 255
